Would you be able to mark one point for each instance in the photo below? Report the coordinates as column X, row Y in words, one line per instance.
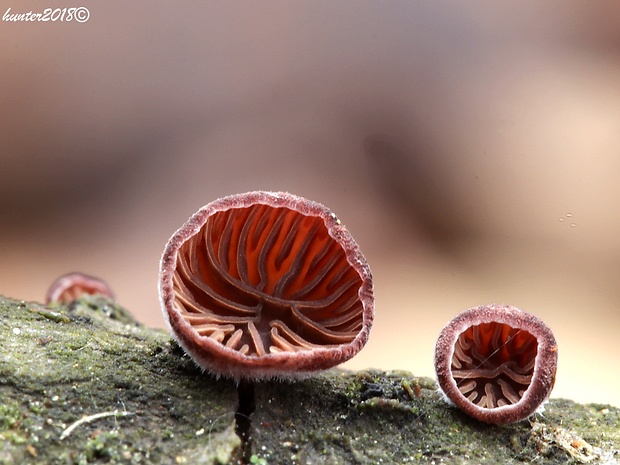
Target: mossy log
column 85, row 383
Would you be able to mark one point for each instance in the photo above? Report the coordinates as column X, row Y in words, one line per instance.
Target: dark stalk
column 243, row 420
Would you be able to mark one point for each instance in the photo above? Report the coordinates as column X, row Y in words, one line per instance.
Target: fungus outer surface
column 72, row 286
column 266, row 284
column 497, row 363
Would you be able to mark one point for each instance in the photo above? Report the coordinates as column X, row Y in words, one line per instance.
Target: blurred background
column 472, row 149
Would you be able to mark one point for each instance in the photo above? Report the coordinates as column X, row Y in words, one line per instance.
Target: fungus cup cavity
column 266, row 284
column 497, row 363
column 72, row 286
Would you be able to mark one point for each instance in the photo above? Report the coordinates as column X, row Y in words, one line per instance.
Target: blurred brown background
column 472, row 149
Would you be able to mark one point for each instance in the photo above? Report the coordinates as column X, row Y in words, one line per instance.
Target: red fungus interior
column 493, row 364
column 262, row 280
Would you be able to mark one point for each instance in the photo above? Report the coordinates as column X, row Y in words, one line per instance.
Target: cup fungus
column 497, row 363
column 72, row 286
column 266, row 284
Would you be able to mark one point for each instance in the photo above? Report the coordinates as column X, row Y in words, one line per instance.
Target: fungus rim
column 222, row 361
column 543, row 375
column 76, row 278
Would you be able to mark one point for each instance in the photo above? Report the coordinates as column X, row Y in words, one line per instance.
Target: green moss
column 92, row 358
column 54, row 372
column 9, row 416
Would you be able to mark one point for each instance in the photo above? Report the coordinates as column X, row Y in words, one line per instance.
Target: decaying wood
column 85, row 383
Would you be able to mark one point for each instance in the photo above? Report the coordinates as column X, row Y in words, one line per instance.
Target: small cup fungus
column 496, row 363
column 72, row 286
column 266, row 284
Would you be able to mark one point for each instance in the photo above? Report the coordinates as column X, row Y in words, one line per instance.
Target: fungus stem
column 243, row 421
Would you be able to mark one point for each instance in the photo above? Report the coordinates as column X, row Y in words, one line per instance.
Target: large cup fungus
column 266, row 284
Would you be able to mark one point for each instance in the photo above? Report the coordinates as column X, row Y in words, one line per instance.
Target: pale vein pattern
column 493, row 364
column 265, row 280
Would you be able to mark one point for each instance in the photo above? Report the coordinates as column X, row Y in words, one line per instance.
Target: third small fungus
column 72, row 286
column 266, row 284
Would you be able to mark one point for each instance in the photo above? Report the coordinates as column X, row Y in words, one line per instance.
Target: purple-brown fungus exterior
column 266, row 284
column 497, row 363
column 72, row 286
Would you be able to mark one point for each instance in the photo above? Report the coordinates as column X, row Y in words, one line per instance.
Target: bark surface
column 86, row 384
